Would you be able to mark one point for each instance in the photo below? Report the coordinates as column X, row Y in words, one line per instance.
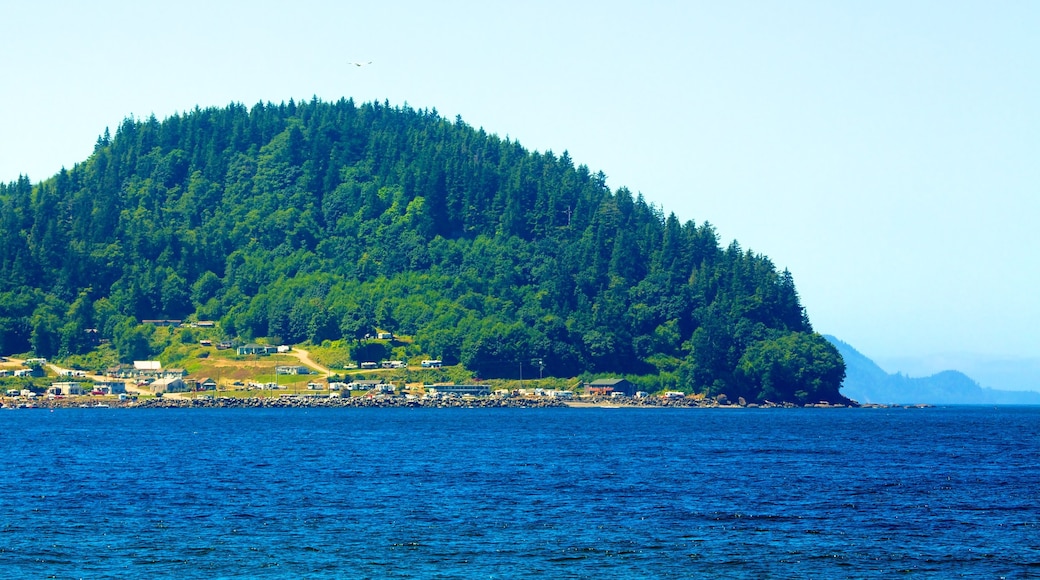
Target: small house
column 121, row 372
column 66, row 389
column 606, row 387
column 111, row 387
column 147, row 367
column 474, row 390
column 257, row 349
column 168, row 385
column 366, row 385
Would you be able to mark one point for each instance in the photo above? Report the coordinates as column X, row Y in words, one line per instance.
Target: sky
column 887, row 153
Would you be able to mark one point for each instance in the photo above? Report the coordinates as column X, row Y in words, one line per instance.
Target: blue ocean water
column 520, row 493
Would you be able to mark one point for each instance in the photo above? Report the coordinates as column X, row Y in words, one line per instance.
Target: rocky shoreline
column 290, row 402
column 296, row 401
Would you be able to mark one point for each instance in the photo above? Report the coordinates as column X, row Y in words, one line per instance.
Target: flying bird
column 361, row 63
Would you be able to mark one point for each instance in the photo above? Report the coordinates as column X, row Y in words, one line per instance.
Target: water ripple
column 576, row 493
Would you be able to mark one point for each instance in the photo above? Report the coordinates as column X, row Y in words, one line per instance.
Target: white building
column 142, row 366
column 65, row 389
column 111, row 387
column 168, row 385
column 475, row 390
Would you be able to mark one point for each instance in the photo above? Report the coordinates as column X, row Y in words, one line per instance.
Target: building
column 65, row 389
column 431, row 364
column 111, row 387
column 144, row 369
column 168, row 385
column 474, row 390
column 121, row 372
column 257, row 349
column 366, row 385
column 291, row 370
column 71, row 373
column 207, row 384
column 606, row 387
column 147, row 366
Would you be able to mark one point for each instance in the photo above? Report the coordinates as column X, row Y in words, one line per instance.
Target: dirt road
column 305, row 358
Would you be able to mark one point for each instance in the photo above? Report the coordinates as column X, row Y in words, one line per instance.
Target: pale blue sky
column 885, row 152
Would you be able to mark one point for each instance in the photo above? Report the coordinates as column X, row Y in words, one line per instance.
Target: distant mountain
column 1009, row 373
column 866, row 382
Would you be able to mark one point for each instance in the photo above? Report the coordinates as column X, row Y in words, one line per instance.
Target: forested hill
column 321, row 221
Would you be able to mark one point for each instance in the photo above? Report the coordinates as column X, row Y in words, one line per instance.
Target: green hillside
column 320, row 221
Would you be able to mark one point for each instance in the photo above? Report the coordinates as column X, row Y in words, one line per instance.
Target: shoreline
column 308, row 402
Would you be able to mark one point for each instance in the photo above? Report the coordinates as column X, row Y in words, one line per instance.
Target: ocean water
column 520, row 493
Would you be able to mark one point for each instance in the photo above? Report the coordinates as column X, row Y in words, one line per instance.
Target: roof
column 147, row 365
column 607, row 382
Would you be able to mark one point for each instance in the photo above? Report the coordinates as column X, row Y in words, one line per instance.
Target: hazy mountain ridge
column 866, row 382
column 1006, row 373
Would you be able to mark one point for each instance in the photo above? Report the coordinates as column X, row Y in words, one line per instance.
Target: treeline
column 317, row 221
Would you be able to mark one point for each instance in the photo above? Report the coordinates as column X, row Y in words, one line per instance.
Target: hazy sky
column 887, row 153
